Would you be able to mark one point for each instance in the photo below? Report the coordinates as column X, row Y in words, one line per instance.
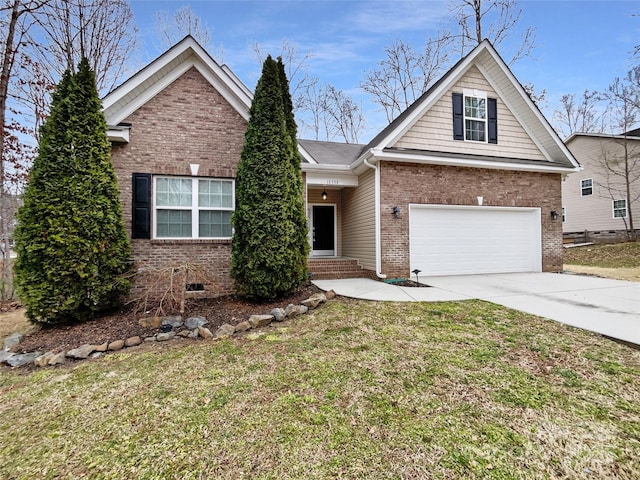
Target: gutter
column 379, row 274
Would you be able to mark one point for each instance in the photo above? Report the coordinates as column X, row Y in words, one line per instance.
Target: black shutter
column 141, row 206
column 492, row 116
column 458, row 118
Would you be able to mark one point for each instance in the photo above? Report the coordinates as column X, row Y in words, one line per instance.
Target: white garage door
column 456, row 240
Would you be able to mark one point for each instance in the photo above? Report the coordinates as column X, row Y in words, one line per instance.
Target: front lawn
column 618, row 255
column 354, row 390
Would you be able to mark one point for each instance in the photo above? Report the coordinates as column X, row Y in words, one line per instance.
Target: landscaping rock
column 293, row 311
column 103, row 347
column 97, row 355
column 20, row 360
column 163, row 337
column 225, row 331
column 43, row 360
column 194, row 322
column 243, row 327
column 58, row 358
column 314, row 300
column 150, row 322
column 173, row 320
column 130, row 342
column 194, row 333
column 184, row 333
column 258, row 321
column 12, row 340
column 4, row 355
column 204, row 332
column 278, row 314
column 150, row 339
column 330, row 295
column 81, row 352
column 117, row 345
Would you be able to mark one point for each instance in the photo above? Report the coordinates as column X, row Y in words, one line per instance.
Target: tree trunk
column 6, row 291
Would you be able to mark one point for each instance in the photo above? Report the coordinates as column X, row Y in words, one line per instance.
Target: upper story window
column 586, row 187
column 475, row 117
column 620, row 209
column 192, row 207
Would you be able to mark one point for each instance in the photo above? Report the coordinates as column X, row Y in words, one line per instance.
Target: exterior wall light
column 396, row 212
column 324, row 194
column 554, row 215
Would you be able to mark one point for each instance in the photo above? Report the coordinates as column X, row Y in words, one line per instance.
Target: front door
column 323, row 231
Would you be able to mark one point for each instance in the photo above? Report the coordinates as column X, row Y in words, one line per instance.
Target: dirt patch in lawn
column 123, row 323
column 631, row 274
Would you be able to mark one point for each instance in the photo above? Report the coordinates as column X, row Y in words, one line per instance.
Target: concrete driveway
column 609, row 307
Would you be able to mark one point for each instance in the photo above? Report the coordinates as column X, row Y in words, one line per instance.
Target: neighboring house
column 595, row 206
column 465, row 181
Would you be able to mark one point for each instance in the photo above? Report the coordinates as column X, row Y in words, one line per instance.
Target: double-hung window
column 620, row 208
column 586, row 187
column 475, row 118
column 187, row 207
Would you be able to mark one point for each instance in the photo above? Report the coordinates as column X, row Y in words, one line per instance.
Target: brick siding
column 188, row 122
column 402, row 184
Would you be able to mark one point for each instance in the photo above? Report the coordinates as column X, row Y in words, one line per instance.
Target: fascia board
column 462, row 162
column 310, row 167
column 532, row 107
column 193, row 56
column 428, row 102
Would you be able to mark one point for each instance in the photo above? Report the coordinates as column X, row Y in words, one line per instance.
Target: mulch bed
column 123, row 323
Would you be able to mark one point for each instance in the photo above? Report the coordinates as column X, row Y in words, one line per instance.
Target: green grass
column 619, row 255
column 355, row 390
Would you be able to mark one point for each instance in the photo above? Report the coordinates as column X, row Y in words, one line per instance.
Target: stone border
column 171, row 327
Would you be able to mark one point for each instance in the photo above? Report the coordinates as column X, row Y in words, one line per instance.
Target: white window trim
column 466, row 92
column 613, row 208
column 195, row 208
column 582, row 188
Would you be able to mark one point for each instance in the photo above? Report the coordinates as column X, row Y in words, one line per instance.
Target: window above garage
column 475, row 117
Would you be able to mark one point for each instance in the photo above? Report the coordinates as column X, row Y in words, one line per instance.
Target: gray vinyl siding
column 594, row 212
column 434, row 131
column 358, row 221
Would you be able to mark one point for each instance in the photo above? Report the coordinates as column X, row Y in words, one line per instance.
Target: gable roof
column 156, row 76
column 332, row 153
column 510, row 91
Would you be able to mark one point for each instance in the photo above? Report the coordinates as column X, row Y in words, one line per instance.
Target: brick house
column 466, row 180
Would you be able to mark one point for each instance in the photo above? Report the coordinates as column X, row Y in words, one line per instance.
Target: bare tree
column 343, row 115
column 619, row 165
column 16, row 18
column 171, row 28
column 492, row 19
column 405, row 74
column 297, row 69
column 580, row 113
column 103, row 31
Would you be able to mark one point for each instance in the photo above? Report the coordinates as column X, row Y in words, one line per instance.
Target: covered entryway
column 465, row 240
column 323, row 230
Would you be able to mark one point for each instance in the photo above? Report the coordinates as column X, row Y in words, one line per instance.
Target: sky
column 579, row 44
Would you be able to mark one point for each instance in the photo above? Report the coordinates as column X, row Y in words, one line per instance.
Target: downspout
column 379, row 274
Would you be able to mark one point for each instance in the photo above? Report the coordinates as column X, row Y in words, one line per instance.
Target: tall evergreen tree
column 72, row 247
column 268, row 258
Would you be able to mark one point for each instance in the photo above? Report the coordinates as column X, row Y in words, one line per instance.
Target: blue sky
column 579, row 44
